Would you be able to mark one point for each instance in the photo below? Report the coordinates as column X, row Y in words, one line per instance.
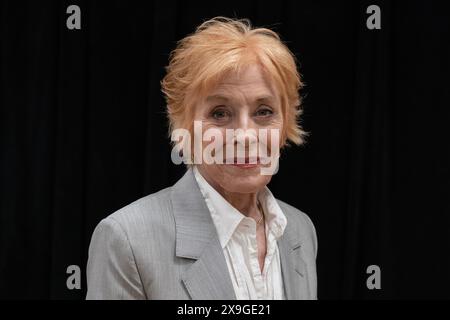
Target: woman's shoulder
column 149, row 211
column 300, row 221
column 294, row 213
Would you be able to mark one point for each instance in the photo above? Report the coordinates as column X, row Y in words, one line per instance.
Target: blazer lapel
column 196, row 238
column 293, row 267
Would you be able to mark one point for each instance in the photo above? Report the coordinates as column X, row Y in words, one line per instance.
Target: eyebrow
column 262, row 98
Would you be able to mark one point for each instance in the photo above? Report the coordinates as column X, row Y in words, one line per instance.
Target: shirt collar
column 226, row 218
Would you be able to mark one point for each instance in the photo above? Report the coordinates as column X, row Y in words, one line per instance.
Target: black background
column 83, row 132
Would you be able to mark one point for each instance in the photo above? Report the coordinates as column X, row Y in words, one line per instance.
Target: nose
column 245, row 130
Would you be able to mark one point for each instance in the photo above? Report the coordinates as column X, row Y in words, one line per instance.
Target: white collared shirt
column 237, row 236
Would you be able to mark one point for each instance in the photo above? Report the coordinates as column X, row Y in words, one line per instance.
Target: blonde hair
column 221, row 45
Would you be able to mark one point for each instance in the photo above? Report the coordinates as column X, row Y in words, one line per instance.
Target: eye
column 220, row 113
column 264, row 112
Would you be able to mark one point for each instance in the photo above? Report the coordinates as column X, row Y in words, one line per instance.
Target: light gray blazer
column 165, row 246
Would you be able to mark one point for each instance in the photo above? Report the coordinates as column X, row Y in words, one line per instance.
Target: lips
column 243, row 162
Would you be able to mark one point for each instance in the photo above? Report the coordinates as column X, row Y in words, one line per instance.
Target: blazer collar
column 196, row 238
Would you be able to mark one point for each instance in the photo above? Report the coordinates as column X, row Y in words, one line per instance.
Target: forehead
column 251, row 82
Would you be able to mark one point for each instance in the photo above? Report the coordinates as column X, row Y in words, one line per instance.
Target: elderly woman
column 218, row 233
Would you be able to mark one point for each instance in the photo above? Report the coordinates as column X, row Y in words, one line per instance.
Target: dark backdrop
column 83, row 133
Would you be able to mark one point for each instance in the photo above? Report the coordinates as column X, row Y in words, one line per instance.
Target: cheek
column 218, row 133
column 275, row 127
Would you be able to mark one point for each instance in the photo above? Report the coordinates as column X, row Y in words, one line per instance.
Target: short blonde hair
column 221, row 45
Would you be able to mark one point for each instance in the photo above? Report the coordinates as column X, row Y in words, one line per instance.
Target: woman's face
column 251, row 103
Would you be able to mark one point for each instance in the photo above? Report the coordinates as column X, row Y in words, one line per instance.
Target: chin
column 244, row 181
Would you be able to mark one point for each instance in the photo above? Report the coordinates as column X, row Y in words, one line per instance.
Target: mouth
column 244, row 163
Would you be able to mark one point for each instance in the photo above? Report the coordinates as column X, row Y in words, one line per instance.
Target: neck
column 246, row 203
